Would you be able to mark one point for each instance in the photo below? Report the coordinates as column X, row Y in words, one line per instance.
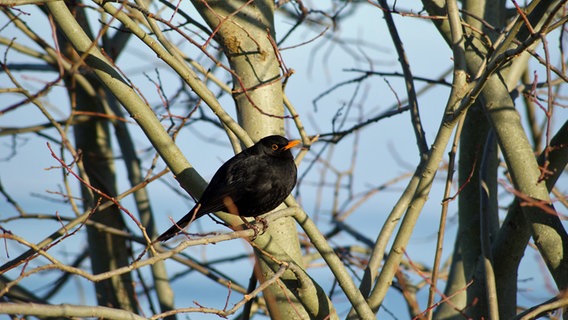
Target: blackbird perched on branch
column 249, row 184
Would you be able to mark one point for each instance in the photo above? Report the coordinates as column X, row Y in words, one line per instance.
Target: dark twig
column 409, row 81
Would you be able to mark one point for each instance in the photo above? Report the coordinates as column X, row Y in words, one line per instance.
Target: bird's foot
column 255, row 227
column 263, row 221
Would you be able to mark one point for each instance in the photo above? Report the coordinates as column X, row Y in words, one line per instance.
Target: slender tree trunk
column 92, row 139
column 247, row 35
column 141, row 197
column 546, row 229
column 107, row 251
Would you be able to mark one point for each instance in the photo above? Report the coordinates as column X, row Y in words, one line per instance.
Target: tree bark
column 92, row 139
column 246, row 33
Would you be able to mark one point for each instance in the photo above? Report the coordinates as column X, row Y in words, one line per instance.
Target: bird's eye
column 274, row 147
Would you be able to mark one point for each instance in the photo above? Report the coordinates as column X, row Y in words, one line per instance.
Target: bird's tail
column 182, row 223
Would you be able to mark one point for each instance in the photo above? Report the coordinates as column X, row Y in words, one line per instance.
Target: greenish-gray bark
column 499, row 109
column 92, row 140
column 246, row 34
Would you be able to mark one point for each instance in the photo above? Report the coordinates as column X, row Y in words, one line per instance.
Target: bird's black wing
column 230, row 183
column 222, row 185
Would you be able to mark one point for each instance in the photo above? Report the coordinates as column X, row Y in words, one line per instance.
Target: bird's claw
column 263, row 221
column 255, row 227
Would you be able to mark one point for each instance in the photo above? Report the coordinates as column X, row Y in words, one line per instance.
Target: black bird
column 249, row 184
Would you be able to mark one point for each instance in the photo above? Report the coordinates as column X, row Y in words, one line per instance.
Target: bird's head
column 277, row 146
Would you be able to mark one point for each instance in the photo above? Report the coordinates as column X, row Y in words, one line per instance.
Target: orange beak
column 291, row 144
